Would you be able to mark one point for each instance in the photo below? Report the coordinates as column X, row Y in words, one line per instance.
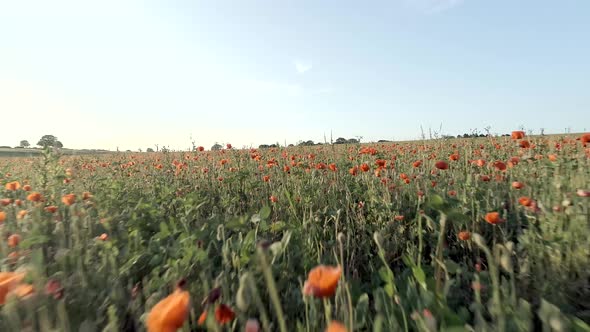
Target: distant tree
column 306, row 143
column 24, row 144
column 382, row 141
column 216, row 147
column 263, row 146
column 340, row 140
column 149, row 150
column 353, row 141
column 49, row 140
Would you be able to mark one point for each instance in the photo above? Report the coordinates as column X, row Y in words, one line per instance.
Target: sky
column 131, row 74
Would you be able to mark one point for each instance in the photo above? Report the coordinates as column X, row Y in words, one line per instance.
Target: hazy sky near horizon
column 129, row 74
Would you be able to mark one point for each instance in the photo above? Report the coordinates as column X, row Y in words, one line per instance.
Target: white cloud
column 301, row 66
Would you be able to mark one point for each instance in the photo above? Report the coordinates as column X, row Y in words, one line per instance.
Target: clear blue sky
column 135, row 73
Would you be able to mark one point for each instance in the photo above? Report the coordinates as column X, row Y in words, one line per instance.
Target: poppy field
column 478, row 234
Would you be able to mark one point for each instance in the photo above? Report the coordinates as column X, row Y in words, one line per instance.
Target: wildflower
column 12, row 186
column 493, row 218
column 518, row 134
column 5, row 201
column 500, row 165
column 170, row 313
column 34, row 197
column 103, row 237
column 336, row 326
column 21, row 214
column 2, row 216
column 322, row 281
column 525, row 144
column 68, row 199
column 464, row 235
column 13, row 240
column 224, row 314
column 252, row 325
column 27, row 187
column 53, row 287
column 365, row 167
column 9, row 281
column 273, row 199
column 51, row 209
column 517, row 185
column 525, row 201
column 441, row 165
column 583, row 193
column 202, row 318
column 480, row 162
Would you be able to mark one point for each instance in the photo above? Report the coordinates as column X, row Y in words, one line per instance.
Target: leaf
column 420, row 276
column 389, row 289
column 408, row 261
column 164, row 231
column 361, row 311
column 452, row 267
column 265, row 212
column 386, row 274
column 263, row 225
column 457, row 217
column 278, row 226
column 436, row 202
column 33, row 240
column 578, row 325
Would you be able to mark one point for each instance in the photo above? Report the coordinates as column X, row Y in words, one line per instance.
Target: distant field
column 481, row 234
column 16, row 152
column 31, row 152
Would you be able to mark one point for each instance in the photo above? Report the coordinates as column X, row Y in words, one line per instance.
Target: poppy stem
column 327, row 311
column 272, row 290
